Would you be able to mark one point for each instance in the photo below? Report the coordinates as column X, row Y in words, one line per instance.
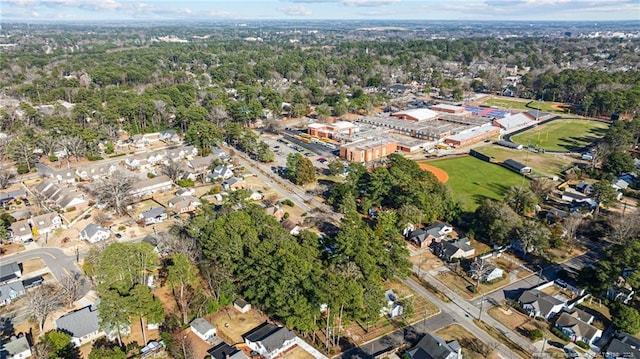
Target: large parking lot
column 319, row 155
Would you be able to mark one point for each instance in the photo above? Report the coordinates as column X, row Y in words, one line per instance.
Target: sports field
column 562, row 135
column 524, row 104
column 472, row 180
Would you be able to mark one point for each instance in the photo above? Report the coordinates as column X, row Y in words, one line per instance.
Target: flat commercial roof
column 474, row 132
column 369, row 143
column 420, row 114
column 445, row 106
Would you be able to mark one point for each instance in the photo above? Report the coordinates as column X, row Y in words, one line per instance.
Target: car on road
column 118, row 235
column 571, row 353
column 86, row 216
column 555, row 344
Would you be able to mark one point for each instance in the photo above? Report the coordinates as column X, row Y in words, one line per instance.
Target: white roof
column 445, row 106
column 419, row 113
column 477, row 131
column 514, row 121
column 343, row 125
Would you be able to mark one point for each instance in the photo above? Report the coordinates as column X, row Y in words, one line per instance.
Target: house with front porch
column 540, row 304
column 577, row 326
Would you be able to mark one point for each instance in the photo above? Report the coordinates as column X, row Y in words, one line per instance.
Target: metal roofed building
column 472, row 136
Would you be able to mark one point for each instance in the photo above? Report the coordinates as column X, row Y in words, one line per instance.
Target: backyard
column 471, row 180
column 562, row 135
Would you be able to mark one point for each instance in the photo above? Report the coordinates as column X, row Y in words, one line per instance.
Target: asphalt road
column 58, row 263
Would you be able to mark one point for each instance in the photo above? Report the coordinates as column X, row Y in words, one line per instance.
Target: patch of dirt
column 440, row 174
column 231, row 324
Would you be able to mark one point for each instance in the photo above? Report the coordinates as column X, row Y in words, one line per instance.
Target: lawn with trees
column 565, row 135
column 471, row 180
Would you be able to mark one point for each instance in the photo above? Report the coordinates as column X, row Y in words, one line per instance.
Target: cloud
column 19, row 3
column 295, row 11
column 358, row 3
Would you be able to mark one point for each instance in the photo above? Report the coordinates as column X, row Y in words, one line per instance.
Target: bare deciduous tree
column 541, row 187
column 599, row 153
column 625, row 227
column 173, row 169
column 571, row 225
column 42, row 301
column 21, row 151
column 178, row 241
column 71, row 286
column 76, row 145
column 115, row 191
column 479, row 268
column 5, row 177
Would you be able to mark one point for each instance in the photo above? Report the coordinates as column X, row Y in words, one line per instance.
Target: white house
column 540, row 304
column 269, row 340
column 220, row 172
column 393, row 308
column 572, row 325
column 82, row 324
column 47, row 223
column 493, row 273
column 151, row 186
column 241, row 306
column 21, row 231
column 11, row 291
column 169, row 136
column 153, row 215
column 94, row 233
column 203, row 329
column 16, row 348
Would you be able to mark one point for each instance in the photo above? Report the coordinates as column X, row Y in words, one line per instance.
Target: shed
column 203, row 329
column 241, row 305
column 516, row 166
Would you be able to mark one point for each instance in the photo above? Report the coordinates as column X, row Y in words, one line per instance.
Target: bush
column 118, row 155
column 286, row 215
column 71, row 209
column 53, row 158
column 18, row 203
column 94, row 157
column 22, row 169
column 122, row 228
column 558, row 333
column 185, row 182
column 473, row 289
column 583, row 345
column 150, row 175
column 535, row 335
column 288, row 202
column 109, row 148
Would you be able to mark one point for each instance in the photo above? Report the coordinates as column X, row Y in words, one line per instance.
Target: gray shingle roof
column 15, row 346
column 580, row 328
column 433, row 347
column 11, row 290
column 201, row 325
column 80, row 322
column 542, row 301
column 271, row 336
column 153, row 212
column 91, row 229
column 7, row 271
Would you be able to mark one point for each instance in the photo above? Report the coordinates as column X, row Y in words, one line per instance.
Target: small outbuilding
column 241, row 306
column 203, row 329
column 516, row 166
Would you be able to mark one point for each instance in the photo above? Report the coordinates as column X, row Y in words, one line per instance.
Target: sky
column 115, row 10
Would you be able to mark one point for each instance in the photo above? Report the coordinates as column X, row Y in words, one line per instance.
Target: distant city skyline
column 197, row 10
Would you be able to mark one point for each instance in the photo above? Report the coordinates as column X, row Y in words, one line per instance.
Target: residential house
column 10, row 272
column 200, row 167
column 621, row 291
column 169, row 136
column 62, row 197
column 11, row 291
column 540, row 304
column 622, row 346
column 67, row 175
column 584, row 188
column 151, row 186
column 516, row 166
column 185, row 192
column 220, row 154
column 203, row 329
column 241, row 306
column 291, row 226
column 11, row 196
column 269, row 340
column 555, row 215
column 571, row 325
column 184, row 204
column 90, row 173
column 220, row 172
column 181, row 152
column 46, row 223
column 424, row 237
column 21, row 231
column 574, row 197
column 16, row 348
column 152, row 241
column 153, row 215
column 234, row 183
column 20, row 215
column 392, row 308
column 82, row 324
column 492, row 273
column 225, row 351
column 276, row 212
column 620, row 184
column 457, row 249
column 94, row 233
column 434, row 347
column 255, row 195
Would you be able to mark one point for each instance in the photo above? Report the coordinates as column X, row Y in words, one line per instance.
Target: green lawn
column 472, row 180
column 562, row 135
column 548, row 164
column 522, row 104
